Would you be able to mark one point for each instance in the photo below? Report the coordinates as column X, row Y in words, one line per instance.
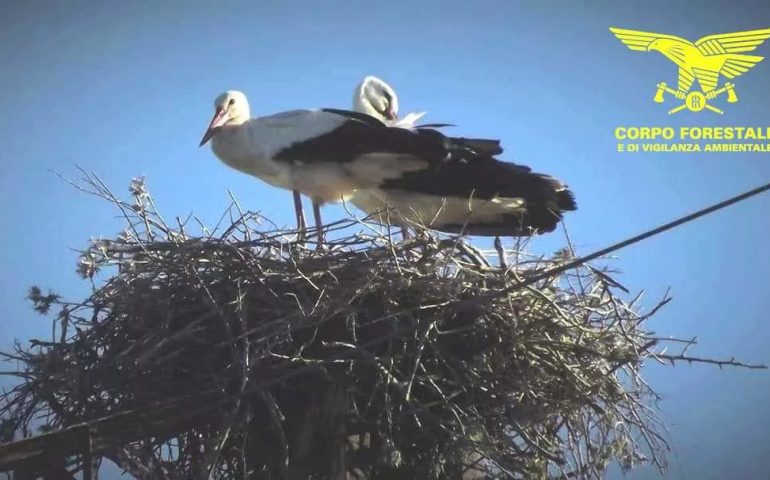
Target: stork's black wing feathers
column 481, row 146
column 483, row 179
column 456, row 167
column 545, row 198
column 435, row 125
column 361, row 117
column 363, row 134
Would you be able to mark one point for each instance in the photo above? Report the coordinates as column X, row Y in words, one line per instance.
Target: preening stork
column 373, row 96
column 475, row 194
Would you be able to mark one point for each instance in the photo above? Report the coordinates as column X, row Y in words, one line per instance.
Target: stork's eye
column 231, row 102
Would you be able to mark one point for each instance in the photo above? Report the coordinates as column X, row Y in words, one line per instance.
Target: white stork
column 374, row 97
column 325, row 154
column 478, row 195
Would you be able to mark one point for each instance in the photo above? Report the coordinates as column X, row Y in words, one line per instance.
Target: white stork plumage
column 240, row 150
column 325, row 154
column 479, row 195
column 373, row 96
column 447, row 183
column 376, row 98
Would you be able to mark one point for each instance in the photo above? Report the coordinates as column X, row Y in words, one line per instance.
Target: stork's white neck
column 231, row 145
column 362, row 104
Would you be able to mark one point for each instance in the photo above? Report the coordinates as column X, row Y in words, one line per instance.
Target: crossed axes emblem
column 696, row 101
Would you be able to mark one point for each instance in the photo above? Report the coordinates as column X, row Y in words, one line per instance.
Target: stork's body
column 373, row 97
column 478, row 195
column 275, row 149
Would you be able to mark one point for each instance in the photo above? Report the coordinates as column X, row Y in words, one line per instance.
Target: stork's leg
column 301, row 223
column 501, row 253
column 318, row 224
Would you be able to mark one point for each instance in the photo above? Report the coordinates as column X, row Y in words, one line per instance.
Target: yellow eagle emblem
column 704, row 61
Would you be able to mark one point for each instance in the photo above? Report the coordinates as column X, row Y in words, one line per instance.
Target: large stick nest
column 383, row 359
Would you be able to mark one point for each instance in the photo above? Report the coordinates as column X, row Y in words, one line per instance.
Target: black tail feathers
column 565, row 200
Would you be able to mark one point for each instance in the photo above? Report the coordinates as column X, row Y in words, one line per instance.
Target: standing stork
column 479, row 195
column 325, row 154
column 374, row 97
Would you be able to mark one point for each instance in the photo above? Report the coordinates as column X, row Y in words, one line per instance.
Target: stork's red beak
column 216, row 121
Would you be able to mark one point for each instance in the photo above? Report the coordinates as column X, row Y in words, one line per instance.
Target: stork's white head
column 376, row 98
column 230, row 108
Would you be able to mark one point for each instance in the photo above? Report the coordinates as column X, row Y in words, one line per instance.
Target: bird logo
column 705, row 61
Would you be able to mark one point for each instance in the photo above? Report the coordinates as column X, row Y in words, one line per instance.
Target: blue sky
column 126, row 89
